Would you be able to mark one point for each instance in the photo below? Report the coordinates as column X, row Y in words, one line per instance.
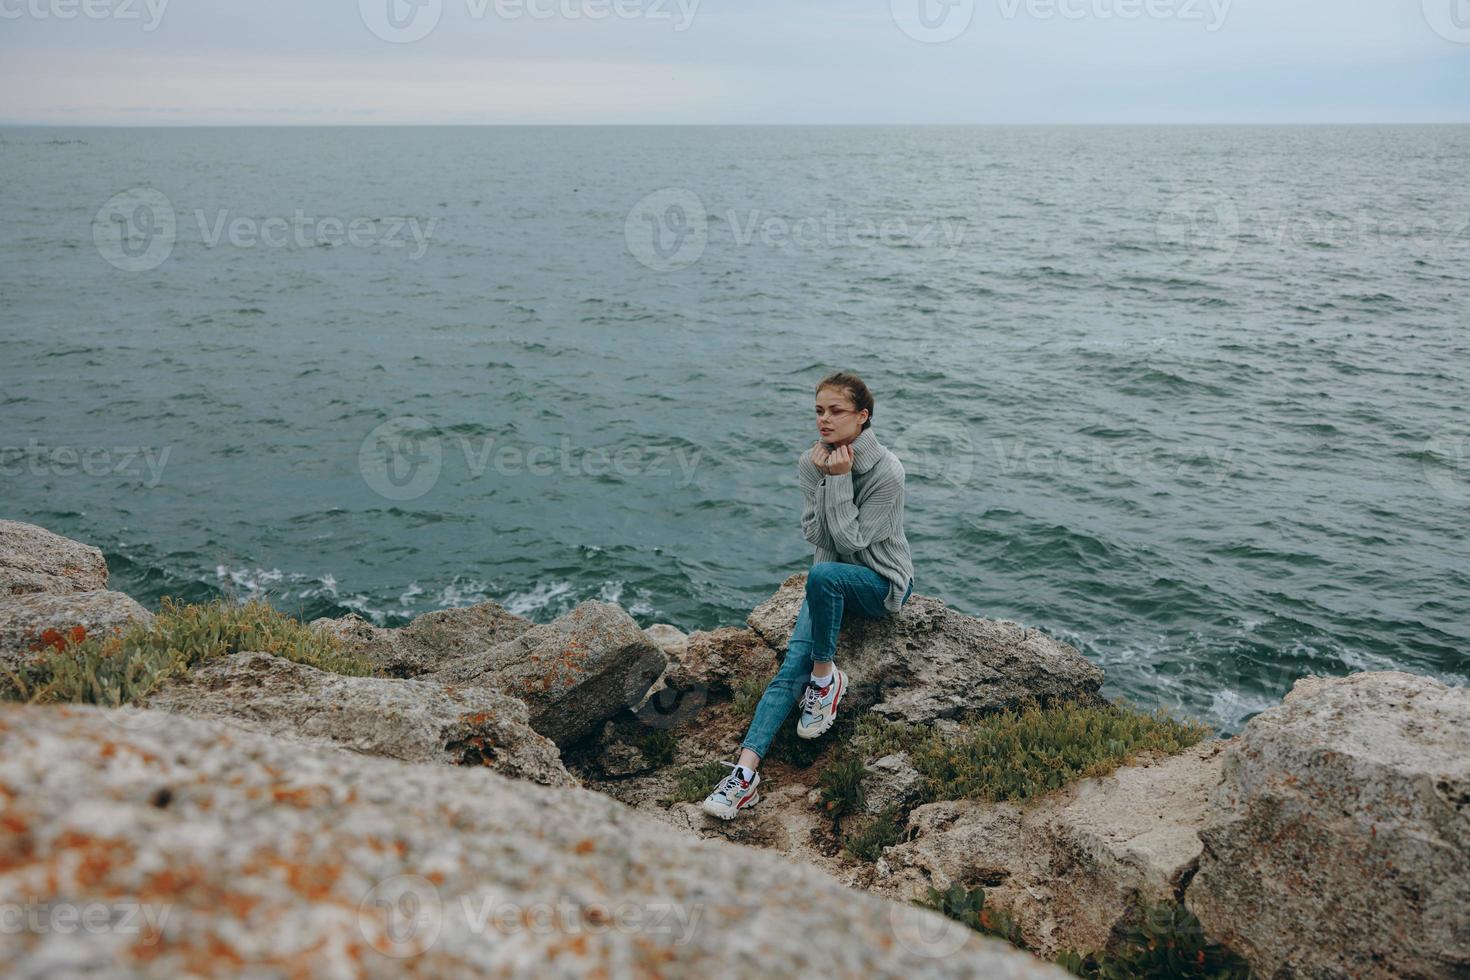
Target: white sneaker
column 731, row 795
column 818, row 710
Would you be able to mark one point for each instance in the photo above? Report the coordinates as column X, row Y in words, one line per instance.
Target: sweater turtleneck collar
column 866, row 451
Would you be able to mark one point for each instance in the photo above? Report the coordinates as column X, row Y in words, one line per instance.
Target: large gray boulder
column 413, row 721
column 32, row 559
column 1067, row 867
column 930, row 662
column 432, row 641
column 574, row 672
column 1339, row 839
column 228, row 853
column 32, row 622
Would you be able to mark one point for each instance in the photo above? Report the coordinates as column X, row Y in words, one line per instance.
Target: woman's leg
column 781, row 693
column 830, row 587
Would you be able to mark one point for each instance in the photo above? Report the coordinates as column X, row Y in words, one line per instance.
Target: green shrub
column 658, row 746
column 1026, row 752
column 842, row 786
column 875, row 832
column 968, row 906
column 1166, row 942
column 747, row 695
column 124, row 666
column 876, row 736
column 693, row 783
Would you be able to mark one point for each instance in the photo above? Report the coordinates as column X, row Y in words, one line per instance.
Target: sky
column 378, row 62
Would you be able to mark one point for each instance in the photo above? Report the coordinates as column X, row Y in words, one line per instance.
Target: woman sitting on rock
column 854, row 490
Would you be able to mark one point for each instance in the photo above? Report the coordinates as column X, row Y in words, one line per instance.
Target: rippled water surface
column 1192, row 399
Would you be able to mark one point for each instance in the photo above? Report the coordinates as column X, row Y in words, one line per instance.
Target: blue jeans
column 830, row 587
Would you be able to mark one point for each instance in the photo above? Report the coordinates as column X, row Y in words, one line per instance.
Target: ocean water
column 1189, row 398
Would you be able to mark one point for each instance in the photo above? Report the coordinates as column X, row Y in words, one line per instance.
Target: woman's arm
column 852, row 528
column 812, row 523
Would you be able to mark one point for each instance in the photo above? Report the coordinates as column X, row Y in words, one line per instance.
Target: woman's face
column 838, row 421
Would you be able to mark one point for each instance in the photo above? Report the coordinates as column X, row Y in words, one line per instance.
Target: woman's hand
column 819, row 455
column 839, row 461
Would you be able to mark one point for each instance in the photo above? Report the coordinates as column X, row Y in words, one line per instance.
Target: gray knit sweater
column 857, row 517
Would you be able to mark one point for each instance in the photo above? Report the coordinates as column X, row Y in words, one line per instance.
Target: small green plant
column 122, row 667
column 693, row 783
column 875, row 832
column 1025, row 752
column 959, row 903
column 876, row 736
column 747, row 695
column 658, row 746
column 967, row 905
column 842, row 786
column 1166, row 942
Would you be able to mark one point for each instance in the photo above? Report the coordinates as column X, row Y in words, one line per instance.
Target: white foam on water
column 255, row 582
column 1229, row 707
column 468, row 593
column 252, row 581
column 612, row 591
column 326, row 585
column 539, row 597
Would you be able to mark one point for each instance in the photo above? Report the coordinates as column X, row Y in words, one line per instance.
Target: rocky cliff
column 512, row 798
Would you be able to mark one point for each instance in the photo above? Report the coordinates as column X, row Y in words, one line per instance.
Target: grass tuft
column 747, row 695
column 693, row 783
column 873, row 833
column 1029, row 751
column 122, row 667
column 658, row 746
column 842, row 786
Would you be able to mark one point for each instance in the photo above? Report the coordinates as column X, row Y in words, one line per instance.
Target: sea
column 1189, row 398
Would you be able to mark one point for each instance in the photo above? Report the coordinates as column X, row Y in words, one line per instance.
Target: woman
column 854, row 491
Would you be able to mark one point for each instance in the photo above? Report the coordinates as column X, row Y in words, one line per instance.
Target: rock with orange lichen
column 33, row 622
column 574, row 672
column 415, row 721
column 195, row 850
column 1338, row 843
column 433, row 640
column 32, row 559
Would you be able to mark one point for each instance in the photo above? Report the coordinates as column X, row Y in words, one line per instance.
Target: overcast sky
column 733, row 61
